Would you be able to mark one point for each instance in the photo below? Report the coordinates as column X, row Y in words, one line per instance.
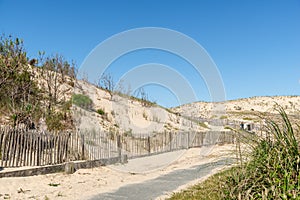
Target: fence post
column 119, row 145
column 188, row 140
column 202, row 137
column 170, row 139
column 149, row 147
column 82, row 148
column 38, row 158
column 1, row 149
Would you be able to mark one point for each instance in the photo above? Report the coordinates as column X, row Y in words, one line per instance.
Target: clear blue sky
column 255, row 44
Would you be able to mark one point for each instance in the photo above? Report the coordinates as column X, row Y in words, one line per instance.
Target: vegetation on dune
column 100, row 111
column 34, row 89
column 107, row 83
column 19, row 92
column 82, row 101
column 274, row 166
column 270, row 170
column 203, row 125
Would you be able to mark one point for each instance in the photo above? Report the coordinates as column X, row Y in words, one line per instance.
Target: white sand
column 243, row 107
column 124, row 114
column 86, row 183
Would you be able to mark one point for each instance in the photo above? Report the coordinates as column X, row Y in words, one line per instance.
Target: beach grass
column 268, row 168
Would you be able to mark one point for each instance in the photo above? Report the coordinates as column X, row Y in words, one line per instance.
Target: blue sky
column 255, row 44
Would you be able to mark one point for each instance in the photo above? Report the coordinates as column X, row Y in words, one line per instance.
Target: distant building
column 247, row 126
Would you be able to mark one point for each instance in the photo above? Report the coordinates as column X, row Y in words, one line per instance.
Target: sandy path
column 86, row 183
column 164, row 184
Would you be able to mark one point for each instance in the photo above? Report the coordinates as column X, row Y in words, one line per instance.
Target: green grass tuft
column 82, row 101
column 203, row 125
column 100, row 111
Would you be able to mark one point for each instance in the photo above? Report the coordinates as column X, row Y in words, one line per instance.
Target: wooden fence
column 139, row 145
column 98, row 145
column 20, row 147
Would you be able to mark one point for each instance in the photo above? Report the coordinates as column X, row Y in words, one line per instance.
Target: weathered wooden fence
column 20, row 147
column 98, row 145
column 139, row 145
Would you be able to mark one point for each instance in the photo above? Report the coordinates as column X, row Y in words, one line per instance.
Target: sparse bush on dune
column 100, row 111
column 54, row 121
column 82, row 101
column 33, row 89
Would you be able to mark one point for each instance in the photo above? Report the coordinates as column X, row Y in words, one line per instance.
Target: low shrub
column 100, row 111
column 82, row 101
column 54, row 121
